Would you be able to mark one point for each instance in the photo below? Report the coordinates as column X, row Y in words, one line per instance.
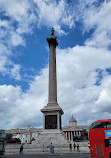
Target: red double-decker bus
column 100, row 139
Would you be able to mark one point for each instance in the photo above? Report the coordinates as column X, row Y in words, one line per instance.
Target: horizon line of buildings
column 72, row 132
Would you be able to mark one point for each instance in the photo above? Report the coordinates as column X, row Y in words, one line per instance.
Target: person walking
column 70, row 146
column 21, row 149
column 74, row 146
column 110, row 155
column 51, row 148
column 77, row 147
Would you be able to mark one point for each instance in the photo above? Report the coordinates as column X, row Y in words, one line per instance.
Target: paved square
column 49, row 156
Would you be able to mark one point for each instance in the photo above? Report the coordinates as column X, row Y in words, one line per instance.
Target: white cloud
column 104, row 99
column 77, row 77
column 99, row 39
column 7, row 67
column 54, row 14
column 97, row 18
column 15, row 72
column 4, row 23
column 19, row 108
column 20, row 17
column 8, row 99
column 16, row 40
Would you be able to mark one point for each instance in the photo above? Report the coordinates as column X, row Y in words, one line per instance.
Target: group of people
column 74, row 147
column 52, row 148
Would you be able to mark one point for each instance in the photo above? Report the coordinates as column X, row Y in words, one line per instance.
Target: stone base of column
column 52, row 116
column 52, row 107
column 46, row 137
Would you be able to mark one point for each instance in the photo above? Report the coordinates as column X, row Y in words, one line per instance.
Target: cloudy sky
column 83, row 30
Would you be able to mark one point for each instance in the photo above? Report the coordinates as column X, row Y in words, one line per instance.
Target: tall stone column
column 52, row 112
column 52, row 98
column 52, row 131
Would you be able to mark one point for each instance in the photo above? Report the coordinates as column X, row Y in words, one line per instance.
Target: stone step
column 34, row 148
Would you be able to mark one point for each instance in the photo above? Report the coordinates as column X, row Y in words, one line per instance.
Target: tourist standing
column 70, row 146
column 110, row 155
column 74, row 146
column 21, row 149
column 51, row 148
column 77, row 147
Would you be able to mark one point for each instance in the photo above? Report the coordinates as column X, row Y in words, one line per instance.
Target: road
column 49, row 156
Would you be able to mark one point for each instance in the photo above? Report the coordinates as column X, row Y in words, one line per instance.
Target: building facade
column 75, row 132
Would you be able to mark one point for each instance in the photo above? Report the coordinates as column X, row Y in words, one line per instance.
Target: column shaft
column 52, row 74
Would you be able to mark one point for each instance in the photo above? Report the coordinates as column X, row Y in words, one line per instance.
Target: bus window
column 101, row 125
column 110, row 143
column 106, row 141
column 94, row 125
column 109, row 125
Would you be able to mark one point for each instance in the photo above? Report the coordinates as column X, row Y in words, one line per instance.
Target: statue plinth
column 52, row 41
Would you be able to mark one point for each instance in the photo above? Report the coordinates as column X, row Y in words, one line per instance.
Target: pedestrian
column 70, row 146
column 110, row 155
column 51, row 148
column 88, row 145
column 21, row 149
column 77, row 147
column 74, row 146
column 43, row 147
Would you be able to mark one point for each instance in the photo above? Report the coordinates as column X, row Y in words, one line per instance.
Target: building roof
column 72, row 119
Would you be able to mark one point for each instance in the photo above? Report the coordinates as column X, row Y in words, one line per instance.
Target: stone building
column 26, row 135
column 75, row 132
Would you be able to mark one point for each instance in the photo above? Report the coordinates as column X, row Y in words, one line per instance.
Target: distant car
column 18, row 140
column 14, row 140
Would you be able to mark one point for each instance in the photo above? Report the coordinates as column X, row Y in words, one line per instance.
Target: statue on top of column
column 52, row 39
column 52, row 34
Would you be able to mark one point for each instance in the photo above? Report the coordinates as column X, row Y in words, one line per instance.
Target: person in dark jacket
column 21, row 149
column 70, row 146
column 51, row 148
column 110, row 155
column 77, row 147
column 74, row 146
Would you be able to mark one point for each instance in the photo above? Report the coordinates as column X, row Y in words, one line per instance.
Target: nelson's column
column 52, row 112
column 52, row 132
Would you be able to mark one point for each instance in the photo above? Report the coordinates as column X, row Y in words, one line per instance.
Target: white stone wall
column 72, row 124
